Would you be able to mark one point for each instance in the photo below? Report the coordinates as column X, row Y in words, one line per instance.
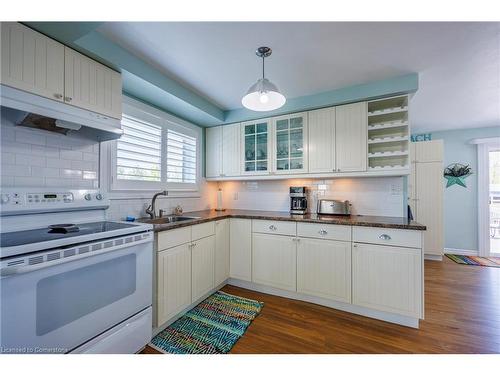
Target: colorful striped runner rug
column 475, row 261
column 212, row 327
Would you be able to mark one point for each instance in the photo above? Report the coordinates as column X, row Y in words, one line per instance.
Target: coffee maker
column 298, row 200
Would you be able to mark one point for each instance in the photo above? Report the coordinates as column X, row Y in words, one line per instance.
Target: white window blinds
column 181, row 158
column 138, row 151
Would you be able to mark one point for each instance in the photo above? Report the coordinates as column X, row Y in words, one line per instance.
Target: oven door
column 57, row 305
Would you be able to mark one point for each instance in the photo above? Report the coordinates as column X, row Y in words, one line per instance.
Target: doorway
column 494, row 199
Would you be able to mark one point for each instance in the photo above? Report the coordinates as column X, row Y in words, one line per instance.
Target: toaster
column 333, row 207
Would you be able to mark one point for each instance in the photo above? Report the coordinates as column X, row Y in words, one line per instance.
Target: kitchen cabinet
column 324, row 268
column 274, row 261
column 321, row 127
column 31, row 61
column 289, row 139
column 92, row 86
column 240, row 249
column 202, row 267
column 387, row 278
column 173, row 282
column 214, row 151
column 351, row 137
column 256, row 147
column 223, row 160
column 221, row 251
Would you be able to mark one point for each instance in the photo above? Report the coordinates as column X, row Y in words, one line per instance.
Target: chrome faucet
column 151, row 210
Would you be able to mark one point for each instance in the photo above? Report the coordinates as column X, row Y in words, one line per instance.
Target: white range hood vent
column 38, row 112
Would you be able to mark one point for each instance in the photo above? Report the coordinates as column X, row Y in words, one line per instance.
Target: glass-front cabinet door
column 290, row 144
column 255, row 139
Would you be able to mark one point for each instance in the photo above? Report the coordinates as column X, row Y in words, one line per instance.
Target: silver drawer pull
column 272, row 227
column 385, row 237
column 323, row 232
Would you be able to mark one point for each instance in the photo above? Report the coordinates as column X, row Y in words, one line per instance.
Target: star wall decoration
column 456, row 174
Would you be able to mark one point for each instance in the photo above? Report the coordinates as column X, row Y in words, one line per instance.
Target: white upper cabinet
column 91, row 85
column 256, row 147
column 351, row 135
column 223, row 151
column 231, row 150
column 289, row 144
column 214, row 151
column 32, row 62
column 321, row 126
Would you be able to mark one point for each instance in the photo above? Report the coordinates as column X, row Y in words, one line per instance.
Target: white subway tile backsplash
column 33, row 157
column 71, row 155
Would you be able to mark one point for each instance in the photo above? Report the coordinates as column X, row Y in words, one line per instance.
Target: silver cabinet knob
column 58, row 96
column 323, row 232
column 272, row 227
column 385, row 237
column 87, row 197
column 67, row 99
column 98, row 196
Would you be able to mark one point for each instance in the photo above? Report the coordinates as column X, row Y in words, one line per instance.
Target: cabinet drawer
column 326, row 231
column 203, row 230
column 174, row 237
column 391, row 237
column 274, row 227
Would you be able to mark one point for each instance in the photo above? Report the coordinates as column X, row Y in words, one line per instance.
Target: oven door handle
column 12, row 271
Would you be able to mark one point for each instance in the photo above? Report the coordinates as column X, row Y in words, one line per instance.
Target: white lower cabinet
column 174, row 281
column 202, row 266
column 240, row 249
column 274, row 261
column 221, row 251
column 387, row 278
column 324, row 268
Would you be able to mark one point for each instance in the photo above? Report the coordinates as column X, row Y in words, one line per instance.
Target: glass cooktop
column 30, row 236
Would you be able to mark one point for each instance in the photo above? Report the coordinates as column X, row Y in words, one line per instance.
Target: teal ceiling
column 144, row 82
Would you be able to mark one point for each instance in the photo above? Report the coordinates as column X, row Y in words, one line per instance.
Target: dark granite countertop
column 362, row 221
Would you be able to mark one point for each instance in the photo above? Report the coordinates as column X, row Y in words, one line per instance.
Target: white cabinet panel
column 387, row 278
column 321, row 127
column 203, row 252
column 240, row 245
column 351, row 137
column 324, row 269
column 221, row 251
column 173, row 238
column 429, row 151
column 31, row 61
column 174, row 282
column 274, row 261
column 275, row 227
column 387, row 236
column 231, row 150
column 91, row 85
column 324, row 231
column 214, row 151
column 429, row 187
column 202, row 230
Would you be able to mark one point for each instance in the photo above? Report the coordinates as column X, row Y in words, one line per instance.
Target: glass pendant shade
column 263, row 96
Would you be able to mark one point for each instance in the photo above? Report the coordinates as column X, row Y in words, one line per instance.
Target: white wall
column 369, row 196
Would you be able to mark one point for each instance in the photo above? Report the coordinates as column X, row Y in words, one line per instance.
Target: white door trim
column 484, row 145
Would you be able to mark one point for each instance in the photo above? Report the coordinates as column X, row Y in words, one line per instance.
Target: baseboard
column 354, row 309
column 460, row 251
column 433, row 257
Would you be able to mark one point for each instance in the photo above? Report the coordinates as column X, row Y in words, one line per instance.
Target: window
column 156, row 151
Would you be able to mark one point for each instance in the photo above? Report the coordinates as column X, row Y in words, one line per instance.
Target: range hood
column 38, row 112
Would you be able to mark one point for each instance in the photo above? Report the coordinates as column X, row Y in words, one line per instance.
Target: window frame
column 144, row 112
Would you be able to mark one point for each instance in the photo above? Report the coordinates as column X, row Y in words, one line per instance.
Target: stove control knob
column 5, row 198
column 87, row 197
column 98, row 196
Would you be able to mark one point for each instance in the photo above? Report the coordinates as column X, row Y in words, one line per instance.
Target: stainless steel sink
column 169, row 219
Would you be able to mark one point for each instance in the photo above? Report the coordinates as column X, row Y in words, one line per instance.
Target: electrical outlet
column 395, row 189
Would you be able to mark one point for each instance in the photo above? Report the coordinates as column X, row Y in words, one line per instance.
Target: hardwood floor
column 462, row 315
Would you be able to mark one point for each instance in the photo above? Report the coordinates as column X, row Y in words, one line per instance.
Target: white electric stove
column 70, row 281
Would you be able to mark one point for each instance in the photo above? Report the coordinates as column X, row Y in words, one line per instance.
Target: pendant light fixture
column 263, row 95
